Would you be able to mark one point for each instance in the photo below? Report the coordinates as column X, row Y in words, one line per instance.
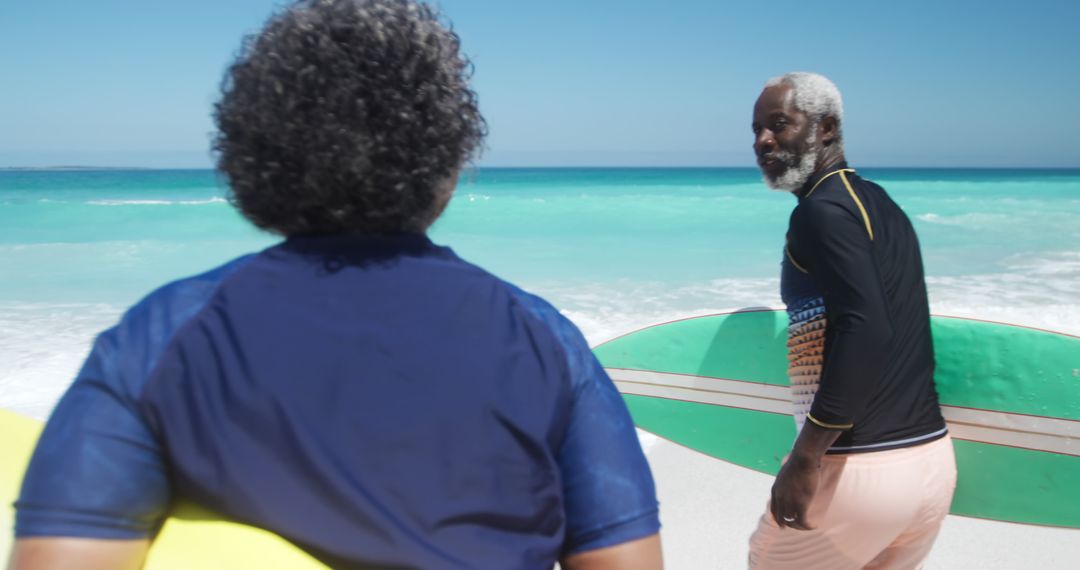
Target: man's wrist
column 812, row 443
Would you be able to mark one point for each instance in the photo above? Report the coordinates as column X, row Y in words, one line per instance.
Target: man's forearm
column 77, row 554
column 813, row 442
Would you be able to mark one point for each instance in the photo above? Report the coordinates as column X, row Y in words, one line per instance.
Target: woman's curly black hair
column 346, row 116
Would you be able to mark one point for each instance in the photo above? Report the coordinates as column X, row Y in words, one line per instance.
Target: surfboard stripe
column 714, row 391
column 1054, row 435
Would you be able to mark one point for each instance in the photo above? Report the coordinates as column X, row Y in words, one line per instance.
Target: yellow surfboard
column 192, row 537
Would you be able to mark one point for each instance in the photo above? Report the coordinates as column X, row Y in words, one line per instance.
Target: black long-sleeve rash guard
column 860, row 252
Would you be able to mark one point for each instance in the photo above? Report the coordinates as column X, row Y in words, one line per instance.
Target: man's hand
column 793, row 490
column 797, row 482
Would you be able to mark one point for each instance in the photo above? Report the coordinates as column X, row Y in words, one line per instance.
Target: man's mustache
column 779, row 156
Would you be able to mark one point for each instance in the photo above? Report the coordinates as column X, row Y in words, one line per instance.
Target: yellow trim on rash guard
column 826, row 176
column 828, row 426
column 865, row 217
column 791, row 258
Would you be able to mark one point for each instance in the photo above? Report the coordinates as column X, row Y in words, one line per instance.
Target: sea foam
column 214, row 200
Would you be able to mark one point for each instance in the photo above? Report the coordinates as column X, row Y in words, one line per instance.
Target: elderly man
column 872, row 472
column 356, row 388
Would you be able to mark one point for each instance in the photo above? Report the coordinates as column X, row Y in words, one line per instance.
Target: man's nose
column 764, row 141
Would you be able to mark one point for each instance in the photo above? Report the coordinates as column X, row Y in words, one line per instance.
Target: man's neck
column 829, row 162
column 826, row 165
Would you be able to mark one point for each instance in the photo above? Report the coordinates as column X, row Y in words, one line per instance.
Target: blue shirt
column 376, row 400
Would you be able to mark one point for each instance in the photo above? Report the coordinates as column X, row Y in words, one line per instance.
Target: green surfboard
column 1010, row 394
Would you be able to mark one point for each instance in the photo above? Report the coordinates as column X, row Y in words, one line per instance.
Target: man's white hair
column 814, row 94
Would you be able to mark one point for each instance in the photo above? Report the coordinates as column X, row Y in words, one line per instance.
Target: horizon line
column 87, row 168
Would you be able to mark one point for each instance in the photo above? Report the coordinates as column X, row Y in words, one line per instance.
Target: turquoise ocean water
column 615, row 249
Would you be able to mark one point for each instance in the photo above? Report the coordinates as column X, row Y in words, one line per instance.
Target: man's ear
column 828, row 130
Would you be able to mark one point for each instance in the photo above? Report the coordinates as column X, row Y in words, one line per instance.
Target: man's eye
column 779, row 125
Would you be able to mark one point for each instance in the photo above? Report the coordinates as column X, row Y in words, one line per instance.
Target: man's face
column 784, row 139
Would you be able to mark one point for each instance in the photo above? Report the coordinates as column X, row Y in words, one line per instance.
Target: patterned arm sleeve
column 838, row 252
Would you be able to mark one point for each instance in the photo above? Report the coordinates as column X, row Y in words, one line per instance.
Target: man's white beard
column 794, row 177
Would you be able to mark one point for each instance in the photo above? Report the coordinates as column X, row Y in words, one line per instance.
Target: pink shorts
column 872, row 510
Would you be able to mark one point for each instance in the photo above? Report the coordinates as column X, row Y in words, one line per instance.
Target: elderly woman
column 357, row 389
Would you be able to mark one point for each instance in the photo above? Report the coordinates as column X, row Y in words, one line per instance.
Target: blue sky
column 586, row 82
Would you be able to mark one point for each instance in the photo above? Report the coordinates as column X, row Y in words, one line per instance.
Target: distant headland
column 64, row 167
